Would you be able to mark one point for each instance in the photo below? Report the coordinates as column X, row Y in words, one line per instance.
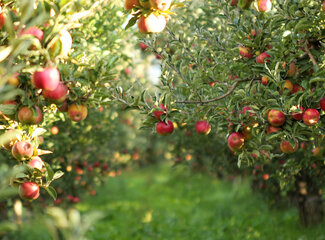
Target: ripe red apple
column 162, row 5
column 158, row 114
column 77, row 113
column 266, row 176
column 233, row 3
column 322, row 103
column 143, row 46
column 287, row 148
column 36, row 162
column 260, row 58
column 310, row 117
column 164, row 129
column 202, row 127
column 29, row 190
column 323, row 6
column 2, row 18
column 297, row 112
column 54, row 130
column 316, row 152
column 35, row 31
column 30, row 115
column 263, row 5
column 276, row 118
column 264, row 80
column 47, row 79
column 297, row 88
column 58, row 95
column 246, row 52
column 287, row 85
column 272, row 129
column 235, row 141
column 22, row 150
column 248, row 110
column 152, row 23
column 129, row 4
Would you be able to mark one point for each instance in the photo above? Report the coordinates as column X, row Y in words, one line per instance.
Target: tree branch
column 231, row 89
column 310, row 54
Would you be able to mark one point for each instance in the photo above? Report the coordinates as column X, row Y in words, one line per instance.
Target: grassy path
column 163, row 203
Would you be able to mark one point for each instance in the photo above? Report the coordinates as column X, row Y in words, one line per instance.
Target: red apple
column 235, row 141
column 287, row 148
column 316, row 152
column 202, row 127
column 263, row 5
column 310, row 117
column 2, row 18
column 77, row 113
column 297, row 88
column 158, row 114
column 264, row 80
column 246, row 52
column 54, row 130
column 272, row 129
column 233, row 3
column 164, row 129
column 29, row 191
column 287, row 85
column 322, row 103
column 162, row 5
column 22, row 150
column 30, row 115
column 152, row 23
column 297, row 112
column 36, row 162
column 143, row 46
column 323, row 6
column 58, row 95
column 248, row 110
column 276, row 118
column 47, row 79
column 260, row 58
column 129, row 4
column 35, row 31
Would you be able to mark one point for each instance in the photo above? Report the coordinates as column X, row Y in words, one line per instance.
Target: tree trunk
column 309, row 203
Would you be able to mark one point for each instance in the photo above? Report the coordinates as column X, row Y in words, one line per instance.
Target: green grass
column 164, row 203
column 161, row 203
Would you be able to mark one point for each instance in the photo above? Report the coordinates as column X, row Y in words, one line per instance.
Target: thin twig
column 310, row 54
column 231, row 89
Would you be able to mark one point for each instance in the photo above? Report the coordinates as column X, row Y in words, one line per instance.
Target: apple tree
column 254, row 70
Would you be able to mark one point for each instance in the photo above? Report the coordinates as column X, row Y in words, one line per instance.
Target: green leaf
column 51, row 191
column 131, row 22
column 50, row 172
column 58, row 174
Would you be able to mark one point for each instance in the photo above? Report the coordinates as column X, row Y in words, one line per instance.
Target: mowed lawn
column 172, row 203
